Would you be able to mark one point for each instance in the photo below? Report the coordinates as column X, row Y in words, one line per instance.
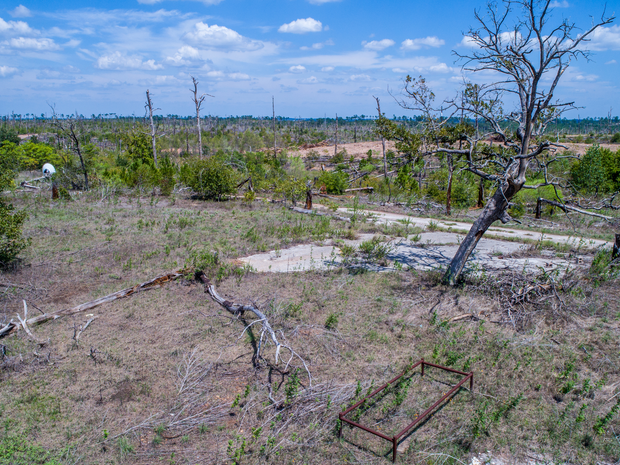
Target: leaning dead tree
column 198, row 100
column 149, row 107
column 517, row 42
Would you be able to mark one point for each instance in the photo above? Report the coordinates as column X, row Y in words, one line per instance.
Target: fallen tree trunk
column 152, row 284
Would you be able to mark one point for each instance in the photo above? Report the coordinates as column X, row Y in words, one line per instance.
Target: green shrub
column 335, row 182
column 615, row 139
column 12, row 241
column 589, row 173
column 9, row 135
column 209, row 178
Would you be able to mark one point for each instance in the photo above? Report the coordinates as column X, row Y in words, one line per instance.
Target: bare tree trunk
column 336, row 138
column 149, row 105
column 449, row 191
column 481, row 194
column 198, row 102
column 494, row 210
column 76, row 148
column 615, row 253
column 273, row 109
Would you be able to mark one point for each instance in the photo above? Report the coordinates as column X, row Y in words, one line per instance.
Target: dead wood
column 267, row 332
column 369, row 189
column 566, row 208
column 152, row 284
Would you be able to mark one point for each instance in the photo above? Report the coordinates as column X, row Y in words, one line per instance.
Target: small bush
column 210, row 178
column 335, row 182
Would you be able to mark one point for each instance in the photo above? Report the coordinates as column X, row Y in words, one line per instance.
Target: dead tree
column 530, row 57
column 198, row 99
column 149, row 107
column 71, row 128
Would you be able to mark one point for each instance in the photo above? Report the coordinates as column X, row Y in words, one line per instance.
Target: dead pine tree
column 336, row 137
column 530, row 57
column 198, row 100
column 273, row 109
column 528, row 52
column 71, row 128
column 150, row 109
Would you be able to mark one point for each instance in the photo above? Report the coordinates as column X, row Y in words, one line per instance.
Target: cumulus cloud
column 184, row 56
column 557, row 4
column 302, row 26
column 297, row 69
column 327, row 69
column 7, row 71
column 378, row 45
column 222, row 38
column 425, row 42
column 20, row 12
column 15, row 28
column 30, row 43
column 120, row 61
column 611, row 62
column 604, row 38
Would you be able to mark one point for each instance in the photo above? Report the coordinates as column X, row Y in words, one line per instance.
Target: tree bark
column 149, row 105
column 494, row 210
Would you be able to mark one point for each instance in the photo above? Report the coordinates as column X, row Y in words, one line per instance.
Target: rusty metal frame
column 394, row 439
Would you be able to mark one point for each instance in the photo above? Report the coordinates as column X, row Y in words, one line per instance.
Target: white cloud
column 302, row 26
column 611, row 62
column 239, row 77
column 184, row 56
column 378, row 45
column 20, row 12
column 426, row 42
column 558, row 4
column 586, row 77
column 220, row 76
column 318, row 46
column 31, row 43
column 310, row 80
column 604, row 38
column 297, row 69
column 360, row 77
column 119, row 61
column 7, row 71
column 321, row 2
column 327, row 69
column 220, row 37
column 15, row 28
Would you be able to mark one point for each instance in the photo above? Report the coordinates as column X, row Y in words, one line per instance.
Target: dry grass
column 167, row 376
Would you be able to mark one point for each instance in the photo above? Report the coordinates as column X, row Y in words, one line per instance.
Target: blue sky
column 316, row 57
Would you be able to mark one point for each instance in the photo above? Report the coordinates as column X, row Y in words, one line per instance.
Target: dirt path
column 455, row 226
column 432, row 249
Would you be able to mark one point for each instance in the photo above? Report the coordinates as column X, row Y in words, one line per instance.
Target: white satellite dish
column 48, row 170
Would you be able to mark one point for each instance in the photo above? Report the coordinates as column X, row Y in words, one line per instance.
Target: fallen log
column 152, row 284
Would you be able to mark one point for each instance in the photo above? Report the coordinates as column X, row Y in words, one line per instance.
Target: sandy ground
column 360, row 149
column 433, row 249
